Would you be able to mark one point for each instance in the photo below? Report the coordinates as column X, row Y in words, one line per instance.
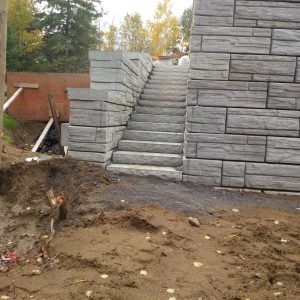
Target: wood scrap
column 52, row 199
column 46, row 246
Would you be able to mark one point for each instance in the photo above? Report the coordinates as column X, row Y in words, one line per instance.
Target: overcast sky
column 117, row 9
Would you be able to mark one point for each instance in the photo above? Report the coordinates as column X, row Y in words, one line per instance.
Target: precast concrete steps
column 139, row 135
column 167, row 111
column 157, row 87
column 157, row 127
column 148, row 158
column 152, row 143
column 167, row 173
column 168, row 81
column 150, row 146
column 158, row 118
column 162, row 103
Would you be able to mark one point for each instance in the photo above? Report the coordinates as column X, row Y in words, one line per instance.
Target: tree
column 110, row 38
column 133, row 35
column 69, row 32
column 3, row 36
column 186, row 22
column 164, row 30
column 24, row 41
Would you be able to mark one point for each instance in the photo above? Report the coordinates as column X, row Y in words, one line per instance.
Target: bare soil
column 119, row 226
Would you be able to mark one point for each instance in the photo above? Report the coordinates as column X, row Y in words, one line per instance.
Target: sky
column 117, row 9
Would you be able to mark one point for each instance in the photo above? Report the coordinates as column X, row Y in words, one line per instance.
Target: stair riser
column 164, row 98
column 132, row 159
column 143, row 126
column 148, row 147
column 173, row 72
column 168, row 82
column 165, row 92
column 140, row 171
column 150, row 88
column 160, row 111
column 155, row 137
column 170, row 78
column 157, row 118
column 170, row 104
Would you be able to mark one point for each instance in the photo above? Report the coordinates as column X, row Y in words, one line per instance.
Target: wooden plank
column 43, row 135
column 12, row 99
column 27, row 85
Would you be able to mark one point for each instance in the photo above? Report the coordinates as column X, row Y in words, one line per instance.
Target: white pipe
column 12, row 99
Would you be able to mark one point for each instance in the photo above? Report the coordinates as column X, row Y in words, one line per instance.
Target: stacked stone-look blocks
column 243, row 103
column 99, row 115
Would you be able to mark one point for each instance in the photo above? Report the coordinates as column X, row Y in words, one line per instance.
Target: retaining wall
column 99, row 114
column 243, row 101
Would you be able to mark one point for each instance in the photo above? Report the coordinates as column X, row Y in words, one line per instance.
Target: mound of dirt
column 140, row 252
column 24, row 203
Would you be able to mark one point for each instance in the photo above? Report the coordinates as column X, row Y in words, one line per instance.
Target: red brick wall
column 32, row 104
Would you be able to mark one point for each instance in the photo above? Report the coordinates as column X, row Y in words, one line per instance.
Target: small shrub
column 9, row 122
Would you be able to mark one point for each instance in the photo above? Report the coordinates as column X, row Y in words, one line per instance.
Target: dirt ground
column 129, row 238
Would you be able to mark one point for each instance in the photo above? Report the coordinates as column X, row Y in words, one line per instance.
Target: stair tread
column 158, row 132
column 149, row 154
column 144, row 167
column 158, row 123
column 152, row 142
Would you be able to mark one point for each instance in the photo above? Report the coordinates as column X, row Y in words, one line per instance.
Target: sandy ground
column 129, row 238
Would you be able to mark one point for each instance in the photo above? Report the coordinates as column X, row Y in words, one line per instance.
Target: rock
column 194, row 221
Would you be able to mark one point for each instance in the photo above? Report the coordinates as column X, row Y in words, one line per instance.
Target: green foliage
column 9, row 122
column 164, row 30
column 185, row 23
column 133, row 34
column 70, row 32
column 110, row 42
column 23, row 40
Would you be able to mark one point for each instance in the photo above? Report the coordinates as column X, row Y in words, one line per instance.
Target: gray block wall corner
column 243, row 104
column 99, row 114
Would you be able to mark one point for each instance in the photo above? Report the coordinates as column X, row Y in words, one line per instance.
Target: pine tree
column 69, row 33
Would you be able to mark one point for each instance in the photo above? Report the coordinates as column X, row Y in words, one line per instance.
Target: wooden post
column 3, row 41
column 56, row 123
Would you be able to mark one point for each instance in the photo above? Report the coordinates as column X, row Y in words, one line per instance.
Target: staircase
column 152, row 144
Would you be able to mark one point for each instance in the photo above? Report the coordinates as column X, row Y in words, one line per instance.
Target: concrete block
column 213, row 66
column 190, row 150
column 65, row 133
column 168, row 173
column 147, row 158
column 206, row 172
column 213, row 21
column 272, row 11
column 286, row 42
column 192, row 97
column 273, row 176
column 284, row 96
column 264, row 68
column 283, row 150
column 228, row 147
column 206, row 119
column 82, row 134
column 263, row 122
column 218, row 8
column 236, row 44
column 91, row 156
column 90, row 147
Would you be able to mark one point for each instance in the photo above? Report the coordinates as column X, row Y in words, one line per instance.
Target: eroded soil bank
column 129, row 238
